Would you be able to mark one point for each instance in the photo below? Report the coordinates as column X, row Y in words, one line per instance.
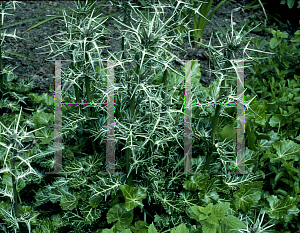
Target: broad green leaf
column 279, row 208
column 133, row 196
column 290, row 3
column 57, row 220
column 30, row 214
column 102, row 188
column 45, row 99
column 45, row 135
column 212, row 219
column 7, row 180
column 118, row 213
column 43, row 118
column 276, row 120
column 220, row 210
column 279, row 34
column 199, row 213
column 45, row 226
column 126, row 231
column 234, row 222
column 90, row 214
column 207, row 209
column 228, row 132
column 298, row 138
column 285, row 150
column 197, row 181
column 247, row 195
column 180, row 229
column 209, row 228
column 266, row 144
column 170, row 203
column 68, row 201
column 152, row 229
column 189, row 198
column 4, row 208
column 274, row 43
column 296, row 37
column 112, row 230
column 227, row 229
column 139, row 227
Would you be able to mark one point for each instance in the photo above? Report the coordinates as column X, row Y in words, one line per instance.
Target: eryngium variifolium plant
column 234, row 46
column 15, row 158
column 146, row 43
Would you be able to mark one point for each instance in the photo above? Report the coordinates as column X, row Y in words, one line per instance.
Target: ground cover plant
column 149, row 120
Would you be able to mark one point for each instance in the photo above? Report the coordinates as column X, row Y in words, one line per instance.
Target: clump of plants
column 149, row 194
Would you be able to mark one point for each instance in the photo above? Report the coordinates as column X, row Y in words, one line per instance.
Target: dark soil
column 42, row 71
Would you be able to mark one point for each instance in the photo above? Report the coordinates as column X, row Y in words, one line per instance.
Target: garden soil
column 42, row 71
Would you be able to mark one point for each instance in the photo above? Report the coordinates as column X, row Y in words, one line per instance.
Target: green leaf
column 133, row 196
column 212, row 219
column 296, row 37
column 126, row 231
column 118, row 213
column 276, row 120
column 247, row 195
column 200, row 213
column 274, row 43
column 139, row 227
column 228, row 132
column 43, row 118
column 209, row 228
column 4, row 208
column 207, row 209
column 285, row 150
column 234, row 222
column 220, row 210
column 180, row 229
column 45, row 135
column 90, row 214
column 279, row 208
column 152, row 229
column 45, row 99
column 7, row 180
column 19, row 55
column 197, row 181
column 68, row 202
column 45, row 226
column 290, row 3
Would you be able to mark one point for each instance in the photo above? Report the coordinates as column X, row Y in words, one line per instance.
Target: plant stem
column 148, row 213
column 132, row 117
column 89, row 100
column 132, row 106
column 215, row 121
column 15, row 192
